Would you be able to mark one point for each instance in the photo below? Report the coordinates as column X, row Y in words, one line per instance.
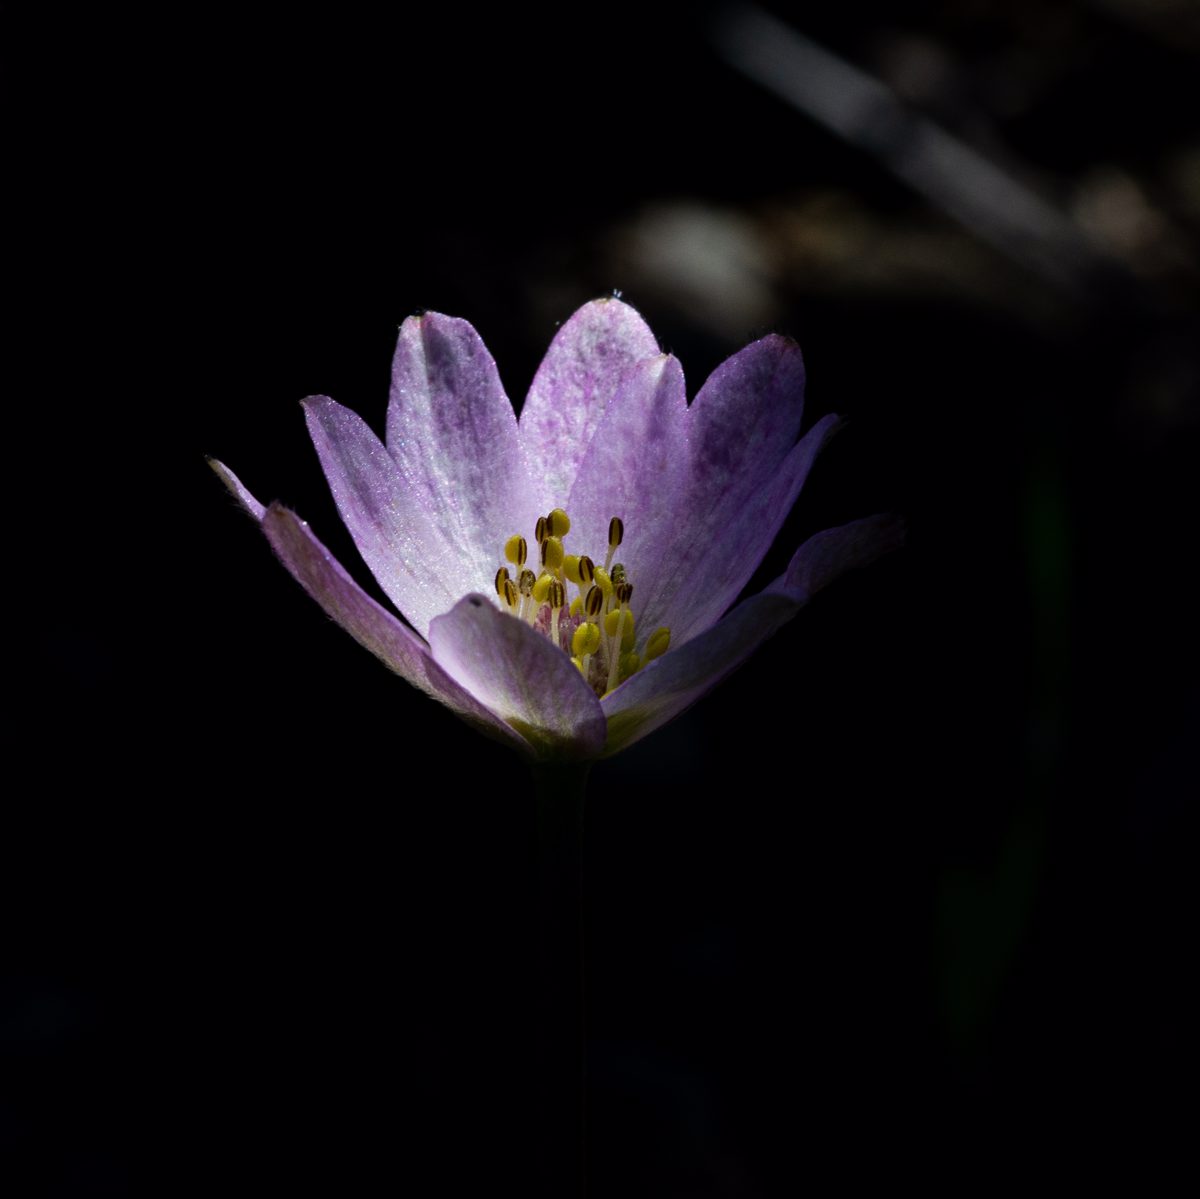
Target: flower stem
column 559, row 792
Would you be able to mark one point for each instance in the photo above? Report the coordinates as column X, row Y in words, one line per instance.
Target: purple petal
column 746, row 417
column 372, row 626
column 664, row 688
column 636, row 468
column 742, row 427
column 736, row 548
column 577, row 378
column 521, row 677
column 398, row 537
column 826, row 555
column 235, row 485
column 453, row 432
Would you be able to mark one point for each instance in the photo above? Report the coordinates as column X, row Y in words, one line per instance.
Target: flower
column 488, row 533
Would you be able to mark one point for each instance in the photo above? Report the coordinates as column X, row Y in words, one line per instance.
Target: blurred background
column 901, row 901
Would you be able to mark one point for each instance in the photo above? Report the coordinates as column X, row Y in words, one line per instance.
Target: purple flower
column 566, row 579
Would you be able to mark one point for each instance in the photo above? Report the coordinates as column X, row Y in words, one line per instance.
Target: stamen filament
column 614, row 650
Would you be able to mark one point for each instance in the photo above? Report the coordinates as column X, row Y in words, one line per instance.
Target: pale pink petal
column 521, row 677
column 398, row 537
column 578, row 377
column 453, row 432
column 372, row 626
column 635, row 468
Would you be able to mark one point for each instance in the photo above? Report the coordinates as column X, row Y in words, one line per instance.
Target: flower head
column 567, row 578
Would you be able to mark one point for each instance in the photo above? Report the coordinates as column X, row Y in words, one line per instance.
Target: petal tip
column 780, row 345
column 826, row 555
column 237, row 488
column 615, row 312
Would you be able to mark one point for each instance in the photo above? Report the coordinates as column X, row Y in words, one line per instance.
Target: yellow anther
column 579, row 570
column 541, row 529
column 502, row 577
column 525, row 582
column 552, row 553
column 516, row 550
column 593, row 601
column 602, row 580
column 616, row 617
column 511, row 595
column 628, row 665
column 541, row 589
column 577, row 606
column 659, row 643
column 624, row 593
column 559, row 523
column 612, row 619
column 586, row 639
column 579, row 666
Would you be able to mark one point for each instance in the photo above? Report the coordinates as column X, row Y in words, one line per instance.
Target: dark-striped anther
column 515, row 550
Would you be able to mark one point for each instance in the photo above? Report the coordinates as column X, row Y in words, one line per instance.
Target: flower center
column 597, row 627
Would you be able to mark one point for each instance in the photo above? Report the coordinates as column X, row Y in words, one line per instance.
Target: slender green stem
column 559, row 790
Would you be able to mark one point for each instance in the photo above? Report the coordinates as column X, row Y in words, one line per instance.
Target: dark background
column 902, row 901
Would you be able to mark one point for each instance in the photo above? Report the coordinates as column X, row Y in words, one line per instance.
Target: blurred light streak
column 947, row 172
column 714, row 264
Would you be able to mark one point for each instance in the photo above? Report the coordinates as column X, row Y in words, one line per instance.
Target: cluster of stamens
column 597, row 627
